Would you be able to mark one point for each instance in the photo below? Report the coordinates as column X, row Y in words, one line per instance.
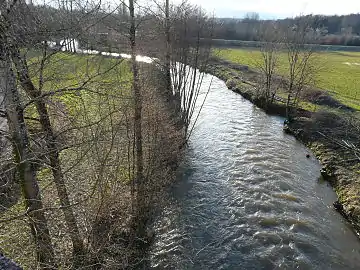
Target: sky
column 271, row 9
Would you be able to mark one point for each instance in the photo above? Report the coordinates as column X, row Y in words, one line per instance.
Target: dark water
column 248, row 198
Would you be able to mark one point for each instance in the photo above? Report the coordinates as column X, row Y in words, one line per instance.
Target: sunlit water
column 248, row 198
column 72, row 45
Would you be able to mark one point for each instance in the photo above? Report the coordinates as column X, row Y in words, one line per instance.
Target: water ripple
column 248, row 198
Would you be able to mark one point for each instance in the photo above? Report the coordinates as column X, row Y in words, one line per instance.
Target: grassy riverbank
column 338, row 72
column 329, row 131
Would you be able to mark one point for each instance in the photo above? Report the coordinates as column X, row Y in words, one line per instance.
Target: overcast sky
column 278, row 8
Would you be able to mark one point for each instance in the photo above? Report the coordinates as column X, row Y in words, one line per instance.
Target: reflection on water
column 248, row 198
column 72, row 45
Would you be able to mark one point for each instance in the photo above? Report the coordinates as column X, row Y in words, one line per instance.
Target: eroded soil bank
column 331, row 134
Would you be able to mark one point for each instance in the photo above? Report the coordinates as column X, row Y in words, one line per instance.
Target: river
column 247, row 197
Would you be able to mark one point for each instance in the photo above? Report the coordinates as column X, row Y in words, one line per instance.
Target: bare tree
column 270, row 38
column 300, row 56
column 189, row 57
column 168, row 48
column 25, row 162
column 24, row 158
column 139, row 177
column 13, row 50
column 52, row 151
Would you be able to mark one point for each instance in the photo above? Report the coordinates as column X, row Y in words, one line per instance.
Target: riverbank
column 331, row 134
column 336, row 72
column 98, row 116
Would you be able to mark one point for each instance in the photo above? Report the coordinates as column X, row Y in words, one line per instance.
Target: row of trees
column 334, row 30
column 94, row 140
column 300, row 57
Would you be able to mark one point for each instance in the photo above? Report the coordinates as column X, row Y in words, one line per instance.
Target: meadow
column 337, row 72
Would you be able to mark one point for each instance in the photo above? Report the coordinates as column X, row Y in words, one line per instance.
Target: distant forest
column 326, row 30
column 332, row 30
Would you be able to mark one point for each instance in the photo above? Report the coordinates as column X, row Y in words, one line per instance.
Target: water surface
column 248, row 198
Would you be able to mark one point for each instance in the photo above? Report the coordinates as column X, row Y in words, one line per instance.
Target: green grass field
column 338, row 72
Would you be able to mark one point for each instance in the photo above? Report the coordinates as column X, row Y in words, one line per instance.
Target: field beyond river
column 337, row 72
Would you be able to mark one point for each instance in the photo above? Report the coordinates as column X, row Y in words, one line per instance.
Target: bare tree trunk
column 302, row 68
column 270, row 39
column 139, row 175
column 167, row 53
column 288, row 112
column 52, row 152
column 26, row 170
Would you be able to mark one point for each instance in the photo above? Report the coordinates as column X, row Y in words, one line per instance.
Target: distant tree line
column 333, row 30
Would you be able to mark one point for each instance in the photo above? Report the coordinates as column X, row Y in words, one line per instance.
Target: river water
column 248, row 198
